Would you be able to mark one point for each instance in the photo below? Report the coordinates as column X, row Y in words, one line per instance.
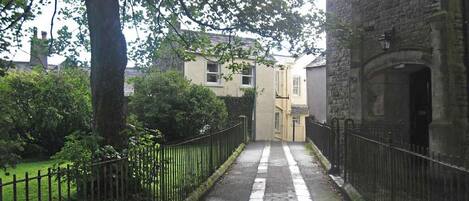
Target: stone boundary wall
column 338, row 64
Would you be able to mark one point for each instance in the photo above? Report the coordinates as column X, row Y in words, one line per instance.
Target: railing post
column 335, row 145
column 391, row 169
column 347, row 124
column 162, row 177
column 243, row 120
column 1, row 190
column 211, row 154
column 338, row 145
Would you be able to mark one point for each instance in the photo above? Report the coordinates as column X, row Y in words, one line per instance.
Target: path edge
column 207, row 185
column 349, row 192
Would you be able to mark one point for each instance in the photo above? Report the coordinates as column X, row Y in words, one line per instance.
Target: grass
column 22, row 168
column 32, row 169
column 187, row 167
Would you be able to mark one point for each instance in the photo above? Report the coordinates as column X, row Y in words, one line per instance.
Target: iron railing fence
column 326, row 140
column 190, row 163
column 391, row 171
column 382, row 166
column 160, row 172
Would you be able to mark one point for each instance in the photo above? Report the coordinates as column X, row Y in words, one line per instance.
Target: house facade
column 204, row 71
column 407, row 66
column 317, row 89
column 290, row 99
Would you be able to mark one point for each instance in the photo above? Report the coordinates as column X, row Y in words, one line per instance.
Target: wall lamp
column 386, row 39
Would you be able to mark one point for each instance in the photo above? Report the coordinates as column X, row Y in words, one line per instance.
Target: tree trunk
column 108, row 62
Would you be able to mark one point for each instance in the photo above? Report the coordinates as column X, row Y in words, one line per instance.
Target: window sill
column 246, row 86
column 215, row 85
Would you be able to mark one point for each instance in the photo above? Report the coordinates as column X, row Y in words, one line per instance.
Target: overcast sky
column 43, row 21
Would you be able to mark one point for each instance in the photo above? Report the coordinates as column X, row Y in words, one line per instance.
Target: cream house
column 291, row 98
column 206, row 72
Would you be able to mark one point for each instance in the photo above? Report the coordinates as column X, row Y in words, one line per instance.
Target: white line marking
column 301, row 190
column 258, row 188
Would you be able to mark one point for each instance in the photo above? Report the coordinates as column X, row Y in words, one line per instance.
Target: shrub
column 171, row 104
column 41, row 108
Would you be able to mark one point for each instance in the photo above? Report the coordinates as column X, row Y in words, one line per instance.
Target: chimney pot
column 34, row 32
column 44, row 35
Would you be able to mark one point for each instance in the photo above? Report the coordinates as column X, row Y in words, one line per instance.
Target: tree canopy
column 100, row 32
column 39, row 109
column 171, row 104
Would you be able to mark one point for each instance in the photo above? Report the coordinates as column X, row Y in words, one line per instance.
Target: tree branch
column 188, row 14
column 52, row 27
column 22, row 17
column 7, row 5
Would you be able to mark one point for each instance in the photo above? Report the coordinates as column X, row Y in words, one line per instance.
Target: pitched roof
column 222, row 38
column 319, row 61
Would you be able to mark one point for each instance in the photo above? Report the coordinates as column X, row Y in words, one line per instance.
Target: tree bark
column 108, row 62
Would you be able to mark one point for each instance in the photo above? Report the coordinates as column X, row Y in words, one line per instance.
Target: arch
column 389, row 59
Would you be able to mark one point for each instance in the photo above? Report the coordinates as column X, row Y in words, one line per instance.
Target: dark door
column 421, row 106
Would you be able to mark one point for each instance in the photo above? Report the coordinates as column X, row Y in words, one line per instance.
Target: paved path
column 271, row 171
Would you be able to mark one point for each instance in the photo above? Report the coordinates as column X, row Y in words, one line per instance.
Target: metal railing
column 326, row 140
column 382, row 168
column 160, row 172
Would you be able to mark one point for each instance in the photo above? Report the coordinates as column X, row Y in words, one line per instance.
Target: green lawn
column 186, row 167
column 20, row 169
column 32, row 169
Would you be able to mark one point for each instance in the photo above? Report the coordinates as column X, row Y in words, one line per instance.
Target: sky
column 43, row 23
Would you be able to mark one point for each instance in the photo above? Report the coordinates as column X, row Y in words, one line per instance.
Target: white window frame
column 296, row 86
column 217, row 74
column 278, row 121
column 250, row 76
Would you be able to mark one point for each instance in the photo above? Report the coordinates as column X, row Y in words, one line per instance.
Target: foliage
column 9, row 148
column 139, row 136
column 41, row 108
column 157, row 24
column 79, row 148
column 272, row 22
column 171, row 104
column 14, row 13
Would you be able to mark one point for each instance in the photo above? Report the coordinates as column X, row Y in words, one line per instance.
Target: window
column 297, row 85
column 213, row 73
column 277, row 121
column 247, row 76
column 277, row 82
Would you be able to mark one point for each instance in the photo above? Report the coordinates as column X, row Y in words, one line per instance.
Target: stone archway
column 448, row 120
column 390, row 59
column 390, row 85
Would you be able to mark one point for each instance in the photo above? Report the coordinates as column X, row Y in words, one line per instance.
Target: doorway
column 420, row 107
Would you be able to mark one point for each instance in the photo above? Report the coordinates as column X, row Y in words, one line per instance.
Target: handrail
column 409, row 152
column 200, row 137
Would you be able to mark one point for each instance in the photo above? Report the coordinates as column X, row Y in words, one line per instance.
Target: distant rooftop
column 319, row 61
column 222, row 38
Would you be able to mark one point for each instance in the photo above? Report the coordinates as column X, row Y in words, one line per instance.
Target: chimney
column 44, row 35
column 39, row 50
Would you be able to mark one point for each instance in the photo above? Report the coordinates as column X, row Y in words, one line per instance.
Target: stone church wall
column 338, row 64
column 424, row 33
column 408, row 19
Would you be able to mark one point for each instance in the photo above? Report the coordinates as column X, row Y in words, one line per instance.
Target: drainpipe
column 465, row 15
column 253, row 127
